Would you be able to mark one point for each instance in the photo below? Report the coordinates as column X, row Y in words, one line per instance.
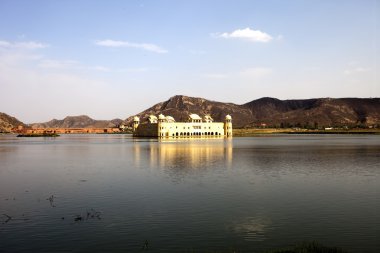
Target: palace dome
column 194, row 116
column 169, row 119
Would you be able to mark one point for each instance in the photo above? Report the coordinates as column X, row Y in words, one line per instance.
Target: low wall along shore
column 72, row 130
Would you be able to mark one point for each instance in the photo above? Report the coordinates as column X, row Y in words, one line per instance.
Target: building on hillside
column 166, row 126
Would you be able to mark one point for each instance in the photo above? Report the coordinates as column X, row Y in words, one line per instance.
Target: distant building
column 166, row 126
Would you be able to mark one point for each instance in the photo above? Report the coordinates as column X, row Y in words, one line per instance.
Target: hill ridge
column 79, row 121
column 265, row 111
column 274, row 112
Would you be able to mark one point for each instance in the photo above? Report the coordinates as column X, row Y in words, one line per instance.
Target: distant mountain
column 8, row 122
column 271, row 112
column 315, row 112
column 180, row 107
column 318, row 112
column 82, row 121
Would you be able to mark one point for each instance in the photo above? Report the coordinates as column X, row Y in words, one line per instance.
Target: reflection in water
column 184, row 154
column 252, row 228
column 202, row 195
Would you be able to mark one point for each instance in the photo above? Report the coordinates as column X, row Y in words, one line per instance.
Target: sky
column 113, row 59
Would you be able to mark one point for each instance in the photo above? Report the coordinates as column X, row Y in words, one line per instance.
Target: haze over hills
column 7, row 123
column 82, row 121
column 274, row 112
column 271, row 112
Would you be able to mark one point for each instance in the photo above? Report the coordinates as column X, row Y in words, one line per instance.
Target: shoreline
column 273, row 131
column 238, row 132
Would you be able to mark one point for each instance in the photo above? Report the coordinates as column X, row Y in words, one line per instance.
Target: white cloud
column 70, row 86
column 53, row 83
column 133, row 70
column 356, row 70
column 70, row 65
column 99, row 68
column 55, row 64
column 361, row 69
column 256, row 72
column 75, row 65
column 8, row 58
column 243, row 76
column 247, row 34
column 22, row 45
column 216, row 76
column 118, row 43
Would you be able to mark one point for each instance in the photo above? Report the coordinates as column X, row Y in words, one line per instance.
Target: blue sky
column 111, row 59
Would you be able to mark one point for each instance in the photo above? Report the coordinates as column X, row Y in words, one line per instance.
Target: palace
column 166, row 126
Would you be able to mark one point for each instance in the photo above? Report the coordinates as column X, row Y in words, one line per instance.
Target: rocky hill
column 8, row 122
column 181, row 106
column 315, row 112
column 82, row 121
column 271, row 112
column 319, row 112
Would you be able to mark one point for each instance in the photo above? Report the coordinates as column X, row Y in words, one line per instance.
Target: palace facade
column 166, row 126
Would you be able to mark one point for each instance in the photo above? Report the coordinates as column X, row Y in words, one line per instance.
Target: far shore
column 244, row 132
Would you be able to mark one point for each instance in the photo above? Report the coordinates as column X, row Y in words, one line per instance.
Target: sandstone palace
column 166, row 126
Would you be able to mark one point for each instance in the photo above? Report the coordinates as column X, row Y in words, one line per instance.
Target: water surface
column 115, row 193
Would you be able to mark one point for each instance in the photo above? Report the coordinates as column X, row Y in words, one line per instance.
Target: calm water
column 113, row 193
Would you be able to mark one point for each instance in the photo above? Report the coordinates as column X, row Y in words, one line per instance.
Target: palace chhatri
column 166, row 126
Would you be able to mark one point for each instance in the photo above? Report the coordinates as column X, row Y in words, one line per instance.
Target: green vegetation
column 308, row 247
column 305, row 247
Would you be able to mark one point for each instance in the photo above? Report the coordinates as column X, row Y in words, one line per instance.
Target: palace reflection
column 186, row 154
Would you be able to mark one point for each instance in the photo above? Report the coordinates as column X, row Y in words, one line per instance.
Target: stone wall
column 147, row 130
column 71, row 130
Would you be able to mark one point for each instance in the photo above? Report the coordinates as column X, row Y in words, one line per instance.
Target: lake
column 116, row 193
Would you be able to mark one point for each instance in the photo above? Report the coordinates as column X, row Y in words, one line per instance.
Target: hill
column 315, row 112
column 181, row 106
column 272, row 112
column 8, row 122
column 82, row 121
